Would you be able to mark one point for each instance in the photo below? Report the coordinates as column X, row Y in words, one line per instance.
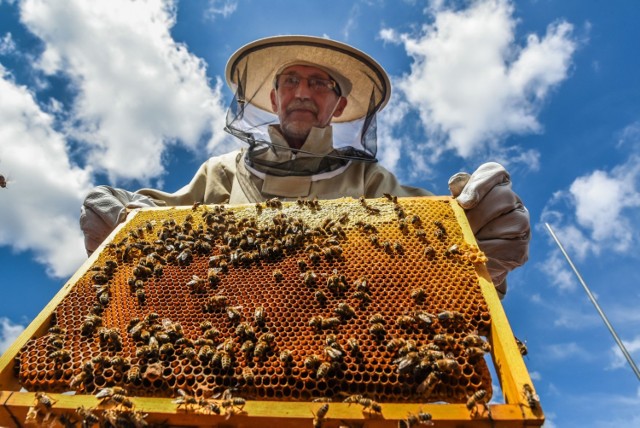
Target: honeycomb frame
column 309, row 247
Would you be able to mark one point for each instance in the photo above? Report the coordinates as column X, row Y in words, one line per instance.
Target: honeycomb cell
column 167, row 271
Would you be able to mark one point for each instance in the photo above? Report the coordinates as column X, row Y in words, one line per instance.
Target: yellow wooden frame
column 507, row 360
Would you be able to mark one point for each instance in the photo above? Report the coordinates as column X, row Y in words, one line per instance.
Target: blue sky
column 132, row 93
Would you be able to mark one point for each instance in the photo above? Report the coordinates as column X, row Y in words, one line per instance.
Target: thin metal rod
column 595, row 303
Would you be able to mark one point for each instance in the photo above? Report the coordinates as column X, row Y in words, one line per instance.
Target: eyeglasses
column 292, row 81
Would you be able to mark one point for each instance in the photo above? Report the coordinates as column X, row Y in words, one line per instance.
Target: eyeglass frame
column 335, row 88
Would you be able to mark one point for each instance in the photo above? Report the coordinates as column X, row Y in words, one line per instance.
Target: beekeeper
column 306, row 107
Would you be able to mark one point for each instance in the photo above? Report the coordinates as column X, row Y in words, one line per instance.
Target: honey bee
column 185, row 257
column 121, row 400
column 215, row 303
column 407, row 362
column 354, row 346
column 302, row 265
column 532, row 398
column 186, row 400
column 377, row 319
column 330, row 323
column 212, row 276
column 314, row 256
column 234, row 313
column 133, row 375
column 370, row 406
column 105, row 394
column 309, row 278
column 259, row 315
column 422, row 418
column 377, row 330
column 245, row 331
column 89, row 419
column 332, row 353
column 316, row 321
column 90, row 323
column 261, row 348
column 374, row 239
column 323, row 370
column 405, row 321
column 197, row 284
column 209, row 406
column 418, row 295
column 277, row 275
column 345, row 311
column 444, row 339
column 60, row 356
column 402, row 224
column 429, row 252
column 312, row 362
column 426, row 387
column 362, row 296
column 398, row 248
column 478, row 398
column 425, row 319
column 225, row 361
column 386, row 246
column 394, row 344
column 319, row 416
column 286, row 356
column 446, row 365
column 78, row 379
column 453, row 250
column 141, row 296
column 522, row 347
column 450, row 316
column 320, row 297
column 3, row 182
column 247, row 375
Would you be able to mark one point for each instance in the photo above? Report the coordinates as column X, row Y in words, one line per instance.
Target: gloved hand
column 103, row 209
column 498, row 219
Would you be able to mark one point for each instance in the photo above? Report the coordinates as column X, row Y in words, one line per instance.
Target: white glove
column 103, row 209
column 498, row 219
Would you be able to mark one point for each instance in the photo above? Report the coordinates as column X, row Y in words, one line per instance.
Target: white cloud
column 7, row 45
column 137, row 90
column 602, row 208
column 40, row 205
column 220, row 7
column 9, row 332
column 565, row 351
column 472, row 85
column 618, row 360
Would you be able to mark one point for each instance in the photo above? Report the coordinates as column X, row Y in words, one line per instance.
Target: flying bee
column 478, row 398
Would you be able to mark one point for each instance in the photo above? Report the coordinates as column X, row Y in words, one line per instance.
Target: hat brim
column 256, row 64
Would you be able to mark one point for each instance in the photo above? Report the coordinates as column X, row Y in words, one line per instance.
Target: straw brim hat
column 362, row 80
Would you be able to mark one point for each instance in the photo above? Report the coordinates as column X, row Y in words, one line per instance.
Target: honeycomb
column 276, row 301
